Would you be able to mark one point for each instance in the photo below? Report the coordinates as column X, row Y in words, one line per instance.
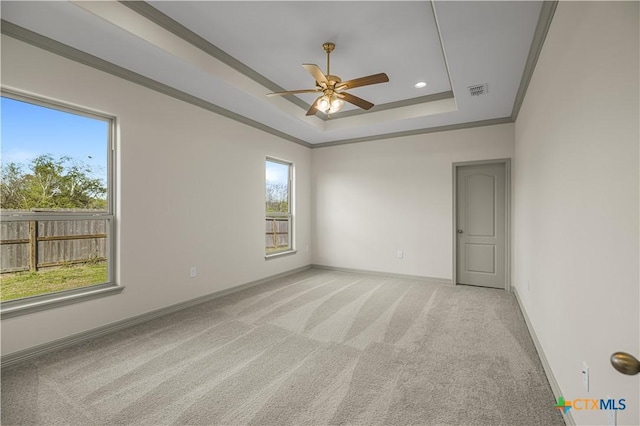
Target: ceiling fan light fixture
column 336, row 104
column 323, row 104
column 329, row 104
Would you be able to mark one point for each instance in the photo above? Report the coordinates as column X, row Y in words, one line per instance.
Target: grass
column 24, row 284
column 272, row 250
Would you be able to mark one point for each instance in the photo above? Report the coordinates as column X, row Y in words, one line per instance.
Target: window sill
column 280, row 254
column 14, row 308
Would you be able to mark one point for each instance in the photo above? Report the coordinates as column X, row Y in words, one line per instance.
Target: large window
column 56, row 199
column 278, row 207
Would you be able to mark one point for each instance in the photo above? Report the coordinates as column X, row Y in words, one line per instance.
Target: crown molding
column 50, row 45
column 154, row 15
column 447, row 128
column 149, row 12
column 398, row 104
column 540, row 34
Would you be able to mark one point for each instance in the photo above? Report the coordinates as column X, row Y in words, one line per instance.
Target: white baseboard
column 555, row 387
column 386, row 274
column 25, row 354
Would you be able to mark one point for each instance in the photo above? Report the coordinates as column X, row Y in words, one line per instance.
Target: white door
column 481, row 225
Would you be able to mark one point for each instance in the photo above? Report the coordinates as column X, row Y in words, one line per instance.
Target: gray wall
column 576, row 201
column 187, row 178
column 375, row 198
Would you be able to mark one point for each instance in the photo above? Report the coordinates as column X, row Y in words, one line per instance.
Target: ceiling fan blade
column 355, row 100
column 313, row 109
column 293, row 92
column 316, row 73
column 363, row 81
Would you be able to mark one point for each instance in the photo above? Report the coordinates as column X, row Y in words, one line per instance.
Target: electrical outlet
column 400, row 254
column 585, row 375
column 193, row 272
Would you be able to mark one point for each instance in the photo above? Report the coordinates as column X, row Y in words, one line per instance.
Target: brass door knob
column 625, row 363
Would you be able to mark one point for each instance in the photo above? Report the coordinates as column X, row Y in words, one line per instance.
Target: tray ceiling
column 226, row 56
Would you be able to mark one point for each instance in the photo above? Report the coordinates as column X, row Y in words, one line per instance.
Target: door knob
column 460, row 231
column 625, row 363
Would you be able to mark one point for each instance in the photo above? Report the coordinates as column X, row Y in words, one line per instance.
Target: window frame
column 26, row 305
column 291, row 207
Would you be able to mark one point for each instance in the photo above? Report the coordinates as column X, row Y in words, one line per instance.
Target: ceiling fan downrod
column 328, row 47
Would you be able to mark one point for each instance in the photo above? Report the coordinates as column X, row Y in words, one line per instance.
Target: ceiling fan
column 333, row 88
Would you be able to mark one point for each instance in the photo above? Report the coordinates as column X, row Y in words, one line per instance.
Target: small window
column 278, row 207
column 56, row 197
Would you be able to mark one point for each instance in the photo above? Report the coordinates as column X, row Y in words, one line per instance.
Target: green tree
column 52, row 183
column 277, row 197
column 12, row 186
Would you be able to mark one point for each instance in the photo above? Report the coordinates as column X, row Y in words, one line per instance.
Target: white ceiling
column 231, row 54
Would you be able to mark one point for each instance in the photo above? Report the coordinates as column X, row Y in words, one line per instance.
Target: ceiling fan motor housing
column 328, row 47
column 333, row 81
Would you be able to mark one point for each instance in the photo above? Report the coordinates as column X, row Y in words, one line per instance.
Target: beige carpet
column 314, row 348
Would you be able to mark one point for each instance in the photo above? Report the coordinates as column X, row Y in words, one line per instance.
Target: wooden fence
column 277, row 233
column 34, row 244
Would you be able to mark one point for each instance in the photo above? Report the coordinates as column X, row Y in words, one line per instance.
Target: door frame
column 507, row 214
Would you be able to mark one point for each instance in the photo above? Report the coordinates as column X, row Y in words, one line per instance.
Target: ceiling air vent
column 478, row 89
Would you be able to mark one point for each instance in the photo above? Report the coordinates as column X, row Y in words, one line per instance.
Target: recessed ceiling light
column 420, row 85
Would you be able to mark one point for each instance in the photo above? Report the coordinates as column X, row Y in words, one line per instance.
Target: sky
column 277, row 172
column 28, row 130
